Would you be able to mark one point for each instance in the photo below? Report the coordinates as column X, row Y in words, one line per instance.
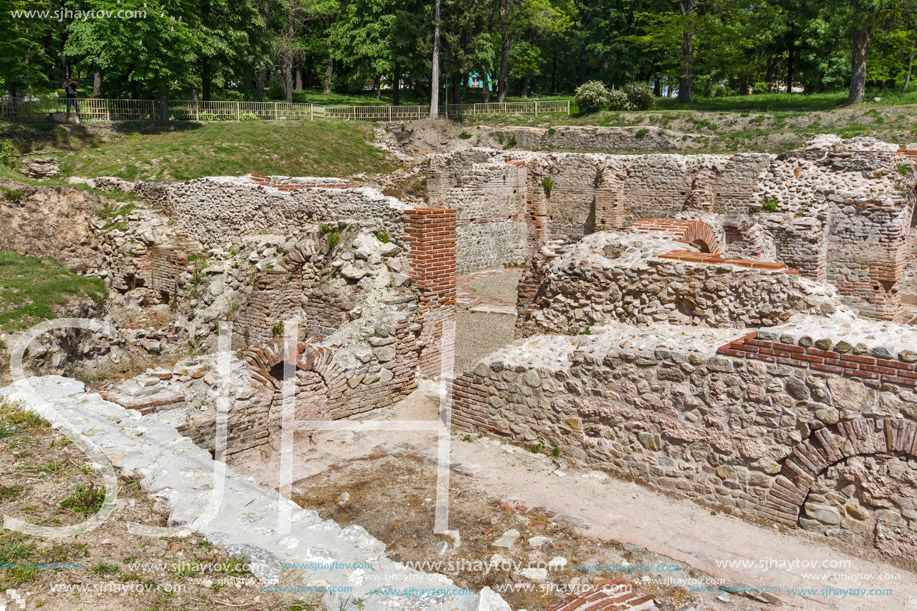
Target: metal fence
column 98, row 109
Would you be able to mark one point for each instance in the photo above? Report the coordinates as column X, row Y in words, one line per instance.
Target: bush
column 592, row 96
column 639, row 97
column 617, row 100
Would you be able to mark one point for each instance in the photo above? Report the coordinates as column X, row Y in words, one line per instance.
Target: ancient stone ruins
column 735, row 330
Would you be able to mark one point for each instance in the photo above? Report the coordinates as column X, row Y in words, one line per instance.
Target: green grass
column 297, row 148
column 32, row 287
column 85, row 500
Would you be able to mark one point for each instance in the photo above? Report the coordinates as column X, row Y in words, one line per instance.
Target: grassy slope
column 759, row 126
column 300, row 148
column 187, row 150
column 31, row 287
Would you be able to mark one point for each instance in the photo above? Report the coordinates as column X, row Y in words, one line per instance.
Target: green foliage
column 547, row 184
column 639, row 97
column 555, row 452
column 617, row 100
column 592, row 96
column 383, row 236
column 12, row 195
column 32, row 288
column 770, row 205
column 905, row 169
column 464, row 135
column 535, row 449
column 86, row 500
column 642, row 133
column 277, row 329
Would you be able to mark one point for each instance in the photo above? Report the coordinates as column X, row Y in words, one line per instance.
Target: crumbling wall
column 658, row 404
column 611, row 277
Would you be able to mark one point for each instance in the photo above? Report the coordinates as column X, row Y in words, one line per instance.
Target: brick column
column 430, row 233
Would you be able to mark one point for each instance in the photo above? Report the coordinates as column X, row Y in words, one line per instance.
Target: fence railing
column 98, row 109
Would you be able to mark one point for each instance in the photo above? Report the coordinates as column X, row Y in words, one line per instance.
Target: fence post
column 276, row 115
column 389, row 114
column 238, row 111
column 536, row 108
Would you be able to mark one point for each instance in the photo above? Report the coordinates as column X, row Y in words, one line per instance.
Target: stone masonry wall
column 633, row 278
column 730, row 430
column 841, row 216
column 217, row 210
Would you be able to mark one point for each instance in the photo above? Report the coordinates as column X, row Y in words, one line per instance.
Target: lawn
column 31, row 288
column 186, row 151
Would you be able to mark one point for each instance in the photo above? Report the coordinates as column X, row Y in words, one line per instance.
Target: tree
column 434, row 75
column 23, row 56
column 152, row 56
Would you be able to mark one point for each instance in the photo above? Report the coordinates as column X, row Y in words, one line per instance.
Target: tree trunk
column 260, row 81
column 434, row 76
column 206, row 79
column 96, row 84
column 297, row 86
column 858, row 65
column 195, row 100
column 525, row 87
column 657, row 88
column 288, row 80
column 329, row 70
column 789, row 68
column 554, row 74
column 396, row 84
column 163, row 106
column 910, row 68
column 377, row 86
column 688, row 7
column 504, row 51
column 485, row 87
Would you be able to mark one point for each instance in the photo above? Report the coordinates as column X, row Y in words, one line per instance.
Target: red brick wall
column 430, row 233
column 831, row 361
column 683, row 230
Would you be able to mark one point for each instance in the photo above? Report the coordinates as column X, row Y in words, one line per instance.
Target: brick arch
column 696, row 233
column 828, row 446
column 263, row 357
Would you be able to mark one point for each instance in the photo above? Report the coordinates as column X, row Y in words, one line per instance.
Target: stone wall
column 840, row 215
column 774, row 439
column 489, row 198
column 217, row 210
column 636, row 278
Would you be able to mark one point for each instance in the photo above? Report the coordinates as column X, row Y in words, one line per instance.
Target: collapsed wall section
column 640, row 278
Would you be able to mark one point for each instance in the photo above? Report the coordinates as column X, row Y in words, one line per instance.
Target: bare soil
column 394, row 499
column 48, row 481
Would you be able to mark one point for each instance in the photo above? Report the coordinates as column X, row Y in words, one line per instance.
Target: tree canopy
column 252, row 49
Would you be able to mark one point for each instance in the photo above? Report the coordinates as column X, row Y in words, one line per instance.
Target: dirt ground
column 48, row 481
column 365, row 492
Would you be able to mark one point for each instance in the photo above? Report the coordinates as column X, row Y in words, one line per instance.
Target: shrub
column 592, row 96
column 770, row 205
column 641, row 133
column 383, row 236
column 464, row 135
column 548, row 183
column 617, row 100
column 639, row 97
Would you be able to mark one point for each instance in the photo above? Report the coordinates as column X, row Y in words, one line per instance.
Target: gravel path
column 478, row 334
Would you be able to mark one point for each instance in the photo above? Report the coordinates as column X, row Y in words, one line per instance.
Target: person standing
column 70, row 92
